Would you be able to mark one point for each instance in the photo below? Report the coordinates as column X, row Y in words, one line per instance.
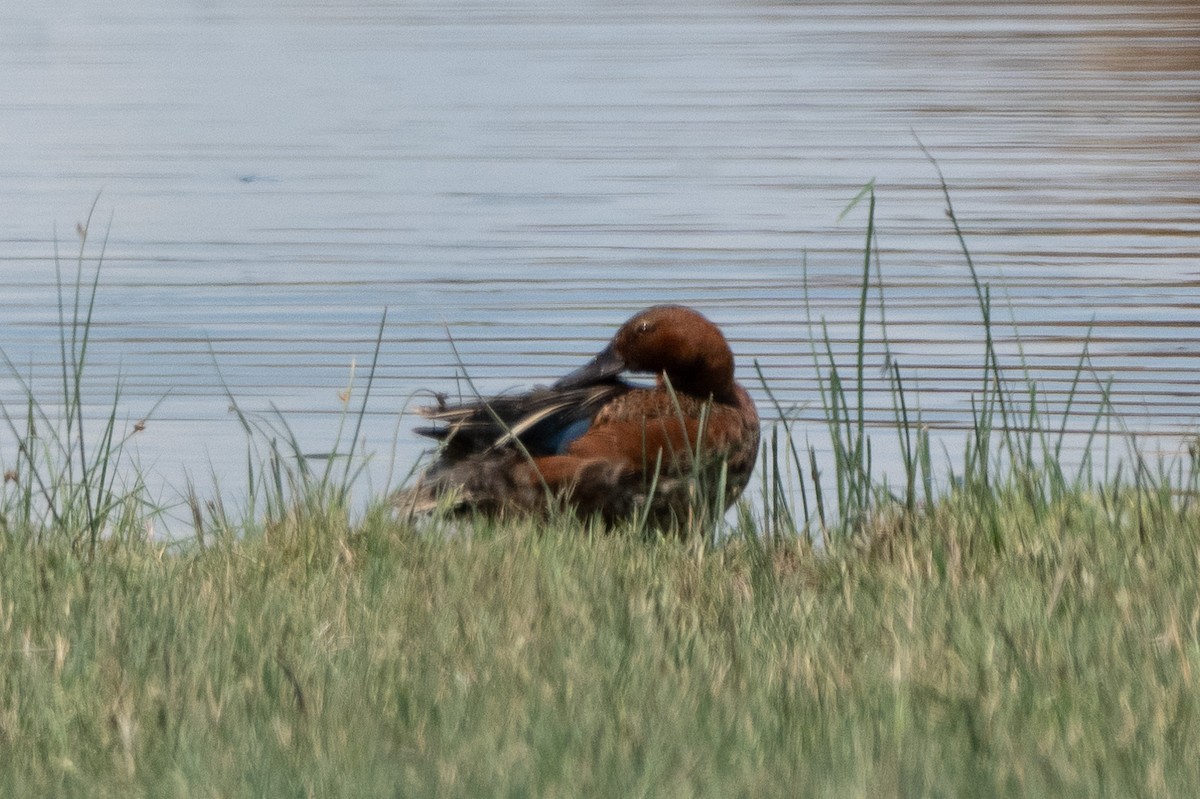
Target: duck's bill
column 605, row 366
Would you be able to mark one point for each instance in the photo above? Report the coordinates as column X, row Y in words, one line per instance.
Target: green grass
column 324, row 658
column 1028, row 630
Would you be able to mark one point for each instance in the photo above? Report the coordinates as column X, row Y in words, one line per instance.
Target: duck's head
column 670, row 340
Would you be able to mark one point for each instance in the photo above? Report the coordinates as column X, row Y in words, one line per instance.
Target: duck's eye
column 645, row 326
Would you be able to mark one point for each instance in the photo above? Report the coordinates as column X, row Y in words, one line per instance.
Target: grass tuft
column 71, row 477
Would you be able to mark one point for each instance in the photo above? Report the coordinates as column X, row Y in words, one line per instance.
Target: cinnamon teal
column 598, row 444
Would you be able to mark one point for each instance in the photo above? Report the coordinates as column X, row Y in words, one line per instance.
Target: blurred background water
column 521, row 177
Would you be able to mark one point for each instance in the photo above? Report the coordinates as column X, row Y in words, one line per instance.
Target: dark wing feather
column 539, row 419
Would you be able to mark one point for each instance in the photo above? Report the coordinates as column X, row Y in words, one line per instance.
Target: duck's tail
column 486, row 483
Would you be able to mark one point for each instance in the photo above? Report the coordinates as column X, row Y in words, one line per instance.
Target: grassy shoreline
column 325, row 658
column 1029, row 630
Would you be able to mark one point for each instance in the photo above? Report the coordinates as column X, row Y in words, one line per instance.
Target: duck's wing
column 543, row 420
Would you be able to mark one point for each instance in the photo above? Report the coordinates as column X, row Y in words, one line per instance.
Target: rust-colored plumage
column 598, row 444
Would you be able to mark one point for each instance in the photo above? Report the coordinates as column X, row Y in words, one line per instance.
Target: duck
column 599, row 444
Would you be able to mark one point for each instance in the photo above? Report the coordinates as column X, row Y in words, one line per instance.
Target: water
column 523, row 177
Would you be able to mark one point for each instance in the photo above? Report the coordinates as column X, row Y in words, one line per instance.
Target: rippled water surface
column 522, row 177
